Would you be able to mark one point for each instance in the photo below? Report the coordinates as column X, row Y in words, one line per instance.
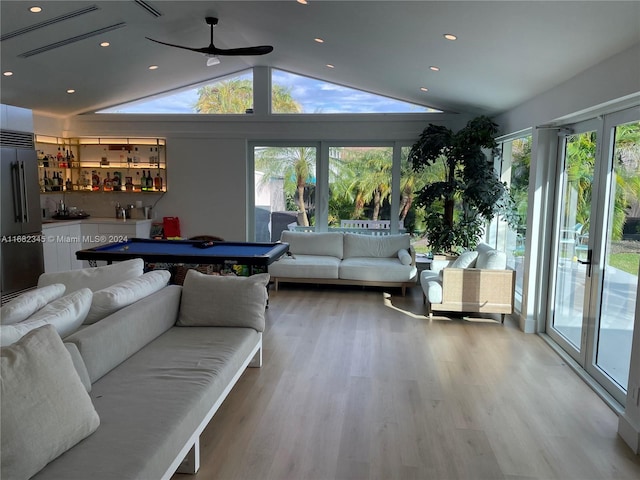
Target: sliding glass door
column 597, row 247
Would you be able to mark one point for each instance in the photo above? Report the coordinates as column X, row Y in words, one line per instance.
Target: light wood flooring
column 358, row 384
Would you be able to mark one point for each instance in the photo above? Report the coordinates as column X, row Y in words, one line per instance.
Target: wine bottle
column 143, row 181
column 149, row 181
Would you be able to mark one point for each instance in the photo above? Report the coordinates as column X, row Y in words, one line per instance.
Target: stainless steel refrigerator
column 21, row 252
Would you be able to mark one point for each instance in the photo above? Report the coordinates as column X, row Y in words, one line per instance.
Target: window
column 285, row 180
column 293, row 93
column 223, row 96
column 514, row 164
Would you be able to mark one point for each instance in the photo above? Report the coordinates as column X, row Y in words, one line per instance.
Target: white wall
column 611, row 85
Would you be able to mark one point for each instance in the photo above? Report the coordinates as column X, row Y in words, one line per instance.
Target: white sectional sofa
column 346, row 259
column 476, row 281
column 130, row 394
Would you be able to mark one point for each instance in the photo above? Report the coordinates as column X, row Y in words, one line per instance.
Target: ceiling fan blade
column 259, row 50
column 199, row 50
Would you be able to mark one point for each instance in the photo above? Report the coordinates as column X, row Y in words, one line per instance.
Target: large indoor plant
column 465, row 192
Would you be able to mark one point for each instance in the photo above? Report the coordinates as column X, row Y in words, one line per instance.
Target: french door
column 596, row 252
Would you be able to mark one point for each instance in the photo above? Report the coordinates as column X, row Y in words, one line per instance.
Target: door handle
column 17, row 191
column 587, row 262
column 23, row 193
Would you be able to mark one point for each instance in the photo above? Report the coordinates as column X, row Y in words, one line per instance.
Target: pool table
column 187, row 251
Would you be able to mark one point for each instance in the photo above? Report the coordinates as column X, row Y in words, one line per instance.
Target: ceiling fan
column 212, row 53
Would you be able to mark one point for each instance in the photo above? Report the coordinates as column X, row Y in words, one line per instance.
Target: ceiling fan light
column 212, row 60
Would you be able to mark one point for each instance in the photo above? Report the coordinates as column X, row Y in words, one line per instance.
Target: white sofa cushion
column 465, row 260
column 490, row 258
column 327, row 244
column 305, row 266
column 223, row 301
column 115, row 297
column 45, row 410
column 28, row 303
column 95, row 278
column 65, row 314
column 374, row 246
column 376, row 270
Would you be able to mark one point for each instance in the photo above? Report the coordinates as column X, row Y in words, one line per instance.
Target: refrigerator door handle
column 17, row 192
column 23, row 193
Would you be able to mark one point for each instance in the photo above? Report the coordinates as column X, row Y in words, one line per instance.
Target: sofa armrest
column 479, row 286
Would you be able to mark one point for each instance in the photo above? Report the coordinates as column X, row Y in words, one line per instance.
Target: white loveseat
column 476, row 281
column 346, row 259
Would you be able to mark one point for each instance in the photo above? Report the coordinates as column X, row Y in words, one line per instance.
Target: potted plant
column 465, row 192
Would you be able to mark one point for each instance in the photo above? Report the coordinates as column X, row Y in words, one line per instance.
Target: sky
column 315, row 96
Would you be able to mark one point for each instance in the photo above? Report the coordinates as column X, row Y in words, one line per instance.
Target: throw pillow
column 223, row 301
column 492, row 260
column 28, row 303
column 465, row 260
column 404, row 256
column 115, row 297
column 95, row 278
column 44, row 409
column 65, row 314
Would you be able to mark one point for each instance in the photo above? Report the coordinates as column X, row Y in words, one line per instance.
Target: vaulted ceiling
column 506, row 52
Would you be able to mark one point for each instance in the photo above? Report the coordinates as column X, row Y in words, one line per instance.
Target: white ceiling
column 506, row 52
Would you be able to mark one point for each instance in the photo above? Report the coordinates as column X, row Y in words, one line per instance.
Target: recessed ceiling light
column 71, row 90
column 153, row 67
column 7, row 74
column 450, row 36
column 424, row 89
column 319, row 40
column 330, row 66
column 434, row 68
column 35, row 9
column 104, row 44
column 303, row 2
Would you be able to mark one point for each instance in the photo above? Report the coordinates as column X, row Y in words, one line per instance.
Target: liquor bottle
column 95, row 180
column 143, row 181
column 157, row 182
column 69, row 185
column 149, row 181
column 108, row 184
column 73, row 160
column 59, row 156
column 117, row 181
column 47, row 182
column 136, row 157
column 138, row 185
column 105, row 159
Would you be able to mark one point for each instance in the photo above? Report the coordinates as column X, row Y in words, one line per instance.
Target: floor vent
column 68, row 41
column 148, row 8
column 51, row 21
column 9, row 138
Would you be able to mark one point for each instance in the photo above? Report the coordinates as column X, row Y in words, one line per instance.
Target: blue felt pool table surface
column 187, row 251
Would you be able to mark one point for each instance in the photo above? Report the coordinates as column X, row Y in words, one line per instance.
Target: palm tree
column 296, row 165
column 236, row 96
column 363, row 177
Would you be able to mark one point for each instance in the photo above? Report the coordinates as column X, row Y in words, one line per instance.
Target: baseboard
column 527, row 324
column 629, row 432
